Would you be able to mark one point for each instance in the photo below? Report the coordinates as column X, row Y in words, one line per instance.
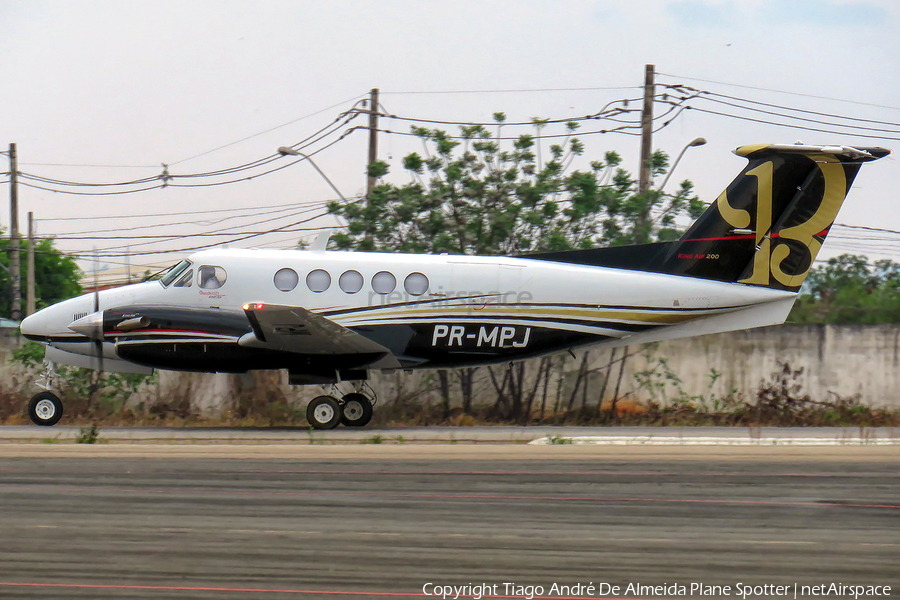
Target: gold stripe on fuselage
column 534, row 312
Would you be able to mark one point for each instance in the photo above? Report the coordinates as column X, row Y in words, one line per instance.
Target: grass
column 375, row 439
column 88, row 435
column 558, row 440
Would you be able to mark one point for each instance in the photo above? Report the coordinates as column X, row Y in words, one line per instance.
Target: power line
column 59, row 235
column 800, row 110
column 220, row 232
column 74, row 193
column 51, row 181
column 285, row 229
column 706, row 96
column 514, row 91
column 42, row 164
column 256, row 175
column 347, row 116
column 867, row 228
column 291, row 122
column 803, row 127
column 750, row 87
column 165, row 177
column 189, row 212
column 185, row 185
column 600, row 115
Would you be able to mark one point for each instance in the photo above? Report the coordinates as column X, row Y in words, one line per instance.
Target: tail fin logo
column 774, row 240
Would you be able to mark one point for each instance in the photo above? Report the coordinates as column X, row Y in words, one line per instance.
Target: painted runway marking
column 679, row 474
column 433, row 496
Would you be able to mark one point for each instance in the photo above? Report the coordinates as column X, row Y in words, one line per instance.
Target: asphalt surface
column 208, row 522
column 463, row 435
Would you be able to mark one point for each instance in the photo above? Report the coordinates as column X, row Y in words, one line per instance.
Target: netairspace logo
column 744, row 591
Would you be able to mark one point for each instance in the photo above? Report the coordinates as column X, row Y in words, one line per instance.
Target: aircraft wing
column 295, row 329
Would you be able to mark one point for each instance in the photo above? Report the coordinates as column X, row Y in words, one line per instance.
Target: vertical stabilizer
column 768, row 226
column 765, row 229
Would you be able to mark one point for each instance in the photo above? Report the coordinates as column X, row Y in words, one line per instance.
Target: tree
column 468, row 194
column 850, row 289
column 56, row 274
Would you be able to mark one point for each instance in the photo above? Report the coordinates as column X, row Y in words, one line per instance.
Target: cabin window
column 384, row 282
column 416, row 284
column 351, row 281
column 185, row 280
column 318, row 280
column 174, row 272
column 286, row 279
column 210, row 277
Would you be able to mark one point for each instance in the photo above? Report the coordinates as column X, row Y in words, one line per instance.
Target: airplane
column 329, row 317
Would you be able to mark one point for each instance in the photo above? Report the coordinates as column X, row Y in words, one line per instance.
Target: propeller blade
column 98, row 343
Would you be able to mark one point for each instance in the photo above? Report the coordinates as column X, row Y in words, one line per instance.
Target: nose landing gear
column 46, row 408
column 327, row 412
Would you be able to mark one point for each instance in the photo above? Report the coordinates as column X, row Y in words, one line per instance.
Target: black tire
column 45, row 409
column 323, row 412
column 357, row 410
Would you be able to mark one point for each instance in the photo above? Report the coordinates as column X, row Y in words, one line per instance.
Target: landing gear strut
column 327, row 412
column 46, row 408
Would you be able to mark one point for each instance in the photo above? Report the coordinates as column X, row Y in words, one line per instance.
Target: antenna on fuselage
column 321, row 242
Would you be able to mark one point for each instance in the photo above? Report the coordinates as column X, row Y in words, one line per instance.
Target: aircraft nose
column 29, row 325
column 34, row 326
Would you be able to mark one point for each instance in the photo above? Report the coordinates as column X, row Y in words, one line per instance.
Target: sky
column 212, row 84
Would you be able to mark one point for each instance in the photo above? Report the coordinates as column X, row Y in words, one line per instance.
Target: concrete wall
column 836, row 359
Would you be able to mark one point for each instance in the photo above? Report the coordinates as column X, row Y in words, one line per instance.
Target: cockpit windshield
column 174, row 272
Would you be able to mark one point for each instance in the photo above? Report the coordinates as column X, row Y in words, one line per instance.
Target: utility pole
column 373, row 138
column 647, row 128
column 15, row 269
column 30, row 303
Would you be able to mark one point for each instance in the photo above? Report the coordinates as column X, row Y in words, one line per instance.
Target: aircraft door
column 513, row 281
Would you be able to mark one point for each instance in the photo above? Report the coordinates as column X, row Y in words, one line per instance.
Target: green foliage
column 56, row 275
column 850, row 289
column 88, row 435
column 29, row 354
column 558, row 440
column 477, row 194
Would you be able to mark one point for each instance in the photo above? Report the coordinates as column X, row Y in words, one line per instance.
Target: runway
column 345, row 522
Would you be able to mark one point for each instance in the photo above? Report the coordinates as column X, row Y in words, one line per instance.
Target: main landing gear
column 46, row 408
column 327, row 412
